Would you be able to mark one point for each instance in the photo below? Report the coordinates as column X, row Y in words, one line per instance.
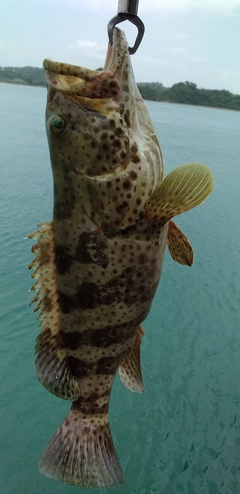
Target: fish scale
column 98, row 262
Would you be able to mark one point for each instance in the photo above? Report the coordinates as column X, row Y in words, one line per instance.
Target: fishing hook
column 127, row 11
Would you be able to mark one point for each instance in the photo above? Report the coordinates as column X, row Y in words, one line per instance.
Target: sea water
column 183, row 434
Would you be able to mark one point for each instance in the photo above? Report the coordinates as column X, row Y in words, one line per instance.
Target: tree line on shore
column 182, row 92
column 188, row 93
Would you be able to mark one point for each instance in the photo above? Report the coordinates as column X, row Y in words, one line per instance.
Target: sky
column 185, row 40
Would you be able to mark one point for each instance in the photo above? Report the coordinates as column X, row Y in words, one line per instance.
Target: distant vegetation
column 189, row 93
column 32, row 76
column 183, row 92
column 151, row 90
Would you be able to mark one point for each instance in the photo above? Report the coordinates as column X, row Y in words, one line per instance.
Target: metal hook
column 127, row 11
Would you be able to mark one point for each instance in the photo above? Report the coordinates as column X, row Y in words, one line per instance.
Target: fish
column 98, row 263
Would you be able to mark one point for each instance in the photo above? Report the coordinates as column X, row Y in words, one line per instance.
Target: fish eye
column 57, row 125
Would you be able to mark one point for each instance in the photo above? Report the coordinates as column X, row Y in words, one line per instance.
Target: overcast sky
column 185, row 40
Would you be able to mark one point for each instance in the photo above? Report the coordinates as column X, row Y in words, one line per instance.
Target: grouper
column 98, row 262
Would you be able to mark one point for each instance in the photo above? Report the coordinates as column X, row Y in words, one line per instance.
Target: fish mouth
column 94, row 84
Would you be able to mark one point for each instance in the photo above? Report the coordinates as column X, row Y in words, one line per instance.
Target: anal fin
column 179, row 245
column 130, row 368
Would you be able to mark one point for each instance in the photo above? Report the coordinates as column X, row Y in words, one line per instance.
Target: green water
column 182, row 435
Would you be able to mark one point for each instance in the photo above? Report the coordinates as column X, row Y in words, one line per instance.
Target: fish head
column 101, row 139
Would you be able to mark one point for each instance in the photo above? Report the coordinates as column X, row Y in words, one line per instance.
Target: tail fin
column 82, row 453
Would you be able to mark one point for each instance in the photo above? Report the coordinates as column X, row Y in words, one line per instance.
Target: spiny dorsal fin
column 182, row 189
column 52, row 365
column 179, row 245
column 130, row 369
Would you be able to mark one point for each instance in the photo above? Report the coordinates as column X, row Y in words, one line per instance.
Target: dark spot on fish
column 127, row 184
column 88, row 296
column 108, row 365
column 71, row 339
column 142, row 258
column 133, row 175
column 135, row 158
column 117, row 143
column 62, row 209
column 66, row 303
column 119, row 132
column 91, row 248
column 112, row 335
column 47, row 302
column 63, row 259
column 134, row 148
column 112, row 85
column 104, row 135
column 88, row 405
column 127, row 118
column 112, row 122
column 78, row 367
column 121, row 208
column 104, row 366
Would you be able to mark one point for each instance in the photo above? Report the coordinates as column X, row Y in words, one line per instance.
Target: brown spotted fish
column 98, row 263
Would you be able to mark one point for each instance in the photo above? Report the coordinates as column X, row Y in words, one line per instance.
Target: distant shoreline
column 21, row 83
column 191, row 104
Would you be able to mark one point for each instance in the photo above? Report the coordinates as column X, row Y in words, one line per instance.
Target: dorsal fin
column 52, row 365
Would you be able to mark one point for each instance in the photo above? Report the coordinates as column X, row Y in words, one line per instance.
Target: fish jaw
column 101, row 139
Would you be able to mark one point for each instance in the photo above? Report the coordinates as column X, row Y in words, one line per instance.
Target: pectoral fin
column 181, row 190
column 179, row 245
column 130, row 369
